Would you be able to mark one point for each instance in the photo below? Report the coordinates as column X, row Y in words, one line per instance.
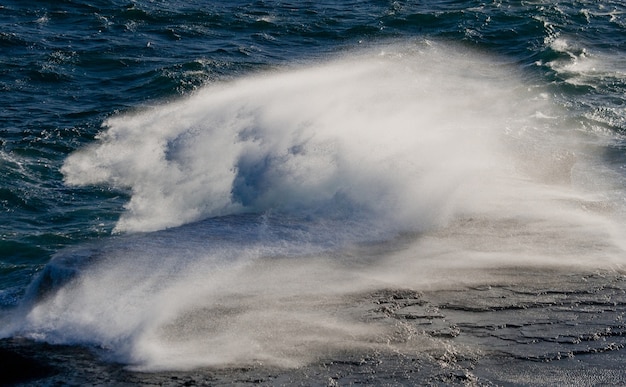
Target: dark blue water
column 149, row 145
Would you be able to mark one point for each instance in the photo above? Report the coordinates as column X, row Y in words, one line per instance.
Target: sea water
column 209, row 184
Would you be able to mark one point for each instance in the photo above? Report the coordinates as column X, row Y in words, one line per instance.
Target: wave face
column 282, row 197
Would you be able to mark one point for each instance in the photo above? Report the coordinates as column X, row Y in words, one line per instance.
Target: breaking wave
column 283, row 197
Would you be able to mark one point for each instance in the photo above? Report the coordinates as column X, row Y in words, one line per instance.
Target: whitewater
column 262, row 207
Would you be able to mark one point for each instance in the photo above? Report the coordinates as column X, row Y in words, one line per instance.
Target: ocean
column 312, row 193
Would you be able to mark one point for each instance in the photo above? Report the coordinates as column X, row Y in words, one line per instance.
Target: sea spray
column 284, row 196
column 401, row 134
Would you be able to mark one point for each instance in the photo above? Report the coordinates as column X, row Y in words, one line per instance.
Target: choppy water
column 204, row 183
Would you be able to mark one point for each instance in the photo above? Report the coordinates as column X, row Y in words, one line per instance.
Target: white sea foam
column 581, row 67
column 444, row 158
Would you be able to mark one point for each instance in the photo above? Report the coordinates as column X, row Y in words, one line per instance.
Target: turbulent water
column 193, row 184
